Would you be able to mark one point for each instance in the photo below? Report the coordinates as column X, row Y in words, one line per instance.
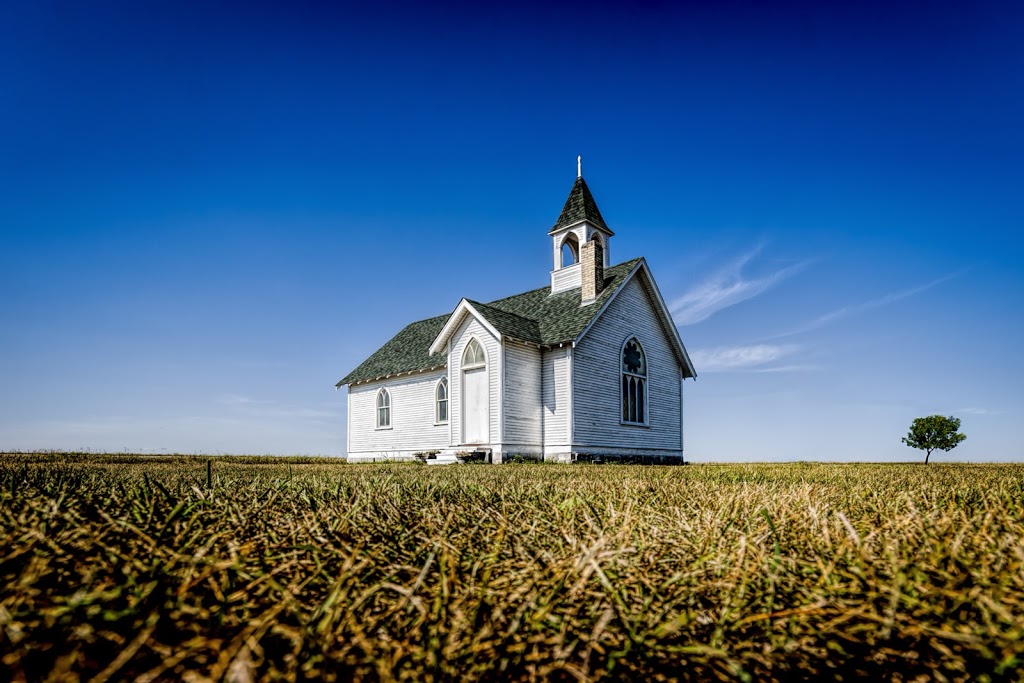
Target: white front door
column 474, row 406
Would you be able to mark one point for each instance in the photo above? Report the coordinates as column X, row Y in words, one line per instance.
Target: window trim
column 382, row 393
column 443, row 382
column 644, row 379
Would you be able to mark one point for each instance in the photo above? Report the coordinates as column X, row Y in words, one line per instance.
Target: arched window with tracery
column 634, row 382
column 383, row 409
column 474, row 356
column 441, row 394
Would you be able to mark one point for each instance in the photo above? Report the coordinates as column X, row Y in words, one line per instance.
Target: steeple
column 579, row 224
column 579, row 207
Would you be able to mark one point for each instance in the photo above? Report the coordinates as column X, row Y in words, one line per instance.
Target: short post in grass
column 209, row 474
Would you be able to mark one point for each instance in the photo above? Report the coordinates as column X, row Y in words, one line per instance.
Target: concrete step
column 443, row 458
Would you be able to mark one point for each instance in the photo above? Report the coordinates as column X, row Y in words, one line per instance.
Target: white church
column 589, row 367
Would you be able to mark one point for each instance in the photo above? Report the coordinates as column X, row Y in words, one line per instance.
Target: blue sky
column 210, row 212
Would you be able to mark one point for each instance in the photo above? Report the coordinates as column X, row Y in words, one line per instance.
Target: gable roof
column 558, row 317
column 579, row 207
column 643, row 275
column 536, row 316
column 407, row 351
column 508, row 323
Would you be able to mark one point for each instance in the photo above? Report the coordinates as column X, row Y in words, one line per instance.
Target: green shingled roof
column 408, row 351
column 580, row 206
column 509, row 323
column 536, row 316
column 558, row 317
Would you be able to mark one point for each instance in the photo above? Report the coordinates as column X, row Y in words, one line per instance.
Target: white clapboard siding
column 555, row 393
column 596, row 379
column 469, row 329
column 522, row 402
column 413, row 415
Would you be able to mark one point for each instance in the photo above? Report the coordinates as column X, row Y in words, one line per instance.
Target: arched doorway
column 475, row 395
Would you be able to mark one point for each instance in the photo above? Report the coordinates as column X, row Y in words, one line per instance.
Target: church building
column 590, row 366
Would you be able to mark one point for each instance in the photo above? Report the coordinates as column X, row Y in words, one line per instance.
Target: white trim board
column 455, row 319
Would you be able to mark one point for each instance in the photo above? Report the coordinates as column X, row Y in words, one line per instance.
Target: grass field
column 128, row 567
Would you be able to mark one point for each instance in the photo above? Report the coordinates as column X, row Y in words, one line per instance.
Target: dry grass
column 132, row 568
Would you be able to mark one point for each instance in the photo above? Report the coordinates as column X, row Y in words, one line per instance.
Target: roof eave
column 669, row 323
column 603, row 228
column 677, row 343
column 380, row 378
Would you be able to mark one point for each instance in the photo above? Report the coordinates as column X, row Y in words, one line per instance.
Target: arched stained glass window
column 634, row 382
column 442, row 402
column 474, row 355
column 383, row 409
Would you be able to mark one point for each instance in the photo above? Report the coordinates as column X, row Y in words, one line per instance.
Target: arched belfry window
column 634, row 382
column 570, row 250
column 441, row 394
column 383, row 409
column 473, row 357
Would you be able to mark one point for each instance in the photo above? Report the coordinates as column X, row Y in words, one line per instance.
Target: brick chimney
column 592, row 270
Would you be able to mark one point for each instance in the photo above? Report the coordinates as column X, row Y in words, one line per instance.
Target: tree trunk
column 926, row 456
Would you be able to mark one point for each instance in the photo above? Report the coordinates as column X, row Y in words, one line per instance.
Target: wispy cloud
column 803, row 367
column 727, row 287
column 237, row 400
column 752, row 358
column 854, row 309
column 247, row 428
column 275, row 410
column 258, row 364
column 975, row 411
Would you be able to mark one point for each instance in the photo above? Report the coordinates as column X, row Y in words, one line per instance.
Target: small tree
column 934, row 433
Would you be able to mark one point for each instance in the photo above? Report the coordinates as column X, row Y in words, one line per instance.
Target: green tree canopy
column 934, row 433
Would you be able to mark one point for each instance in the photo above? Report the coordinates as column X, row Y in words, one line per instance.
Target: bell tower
column 579, row 225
